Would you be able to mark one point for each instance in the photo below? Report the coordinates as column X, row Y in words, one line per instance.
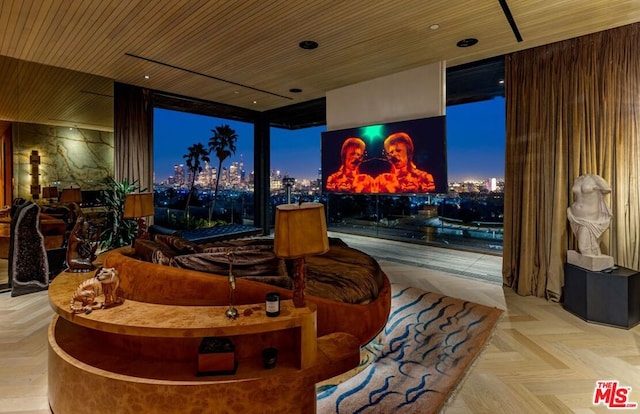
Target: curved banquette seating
column 145, row 352
column 329, row 276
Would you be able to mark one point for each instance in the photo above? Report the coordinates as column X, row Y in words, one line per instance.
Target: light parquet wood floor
column 541, row 358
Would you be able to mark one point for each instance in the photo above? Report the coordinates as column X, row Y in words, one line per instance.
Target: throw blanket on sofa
column 245, row 261
column 342, row 274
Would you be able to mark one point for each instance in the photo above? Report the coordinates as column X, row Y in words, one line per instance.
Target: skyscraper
column 178, row 173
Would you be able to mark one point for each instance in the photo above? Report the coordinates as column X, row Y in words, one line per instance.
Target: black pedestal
column 610, row 298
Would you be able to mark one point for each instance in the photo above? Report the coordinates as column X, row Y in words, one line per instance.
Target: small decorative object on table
column 82, row 246
column 105, row 281
column 232, row 312
column 216, row 356
column 272, row 305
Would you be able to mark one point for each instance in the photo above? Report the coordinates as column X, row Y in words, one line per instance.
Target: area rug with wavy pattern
column 429, row 343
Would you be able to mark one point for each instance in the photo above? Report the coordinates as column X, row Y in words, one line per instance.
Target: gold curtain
column 133, row 134
column 572, row 109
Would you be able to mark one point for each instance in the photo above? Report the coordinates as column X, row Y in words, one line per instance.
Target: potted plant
column 117, row 231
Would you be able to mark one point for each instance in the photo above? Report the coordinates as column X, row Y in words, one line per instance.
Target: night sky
column 475, row 142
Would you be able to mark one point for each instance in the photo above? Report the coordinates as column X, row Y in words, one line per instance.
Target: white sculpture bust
column 589, row 217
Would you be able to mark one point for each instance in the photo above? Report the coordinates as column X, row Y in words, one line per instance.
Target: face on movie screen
column 407, row 157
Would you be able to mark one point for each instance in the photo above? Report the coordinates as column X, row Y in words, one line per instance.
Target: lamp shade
column 71, row 195
column 50, row 192
column 300, row 230
column 138, row 205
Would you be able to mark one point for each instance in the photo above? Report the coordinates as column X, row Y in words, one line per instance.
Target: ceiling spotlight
column 255, row 102
column 467, row 42
column 434, row 27
column 308, row 44
column 295, row 90
column 501, row 81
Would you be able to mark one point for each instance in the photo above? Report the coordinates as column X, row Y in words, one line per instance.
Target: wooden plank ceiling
column 58, row 58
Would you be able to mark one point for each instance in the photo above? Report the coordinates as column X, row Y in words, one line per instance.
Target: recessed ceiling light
column 255, row 102
column 501, row 81
column 147, row 76
column 295, row 90
column 236, row 92
column 434, row 27
column 308, row 44
column 467, row 42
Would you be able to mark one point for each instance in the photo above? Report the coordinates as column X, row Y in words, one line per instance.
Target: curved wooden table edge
column 70, row 377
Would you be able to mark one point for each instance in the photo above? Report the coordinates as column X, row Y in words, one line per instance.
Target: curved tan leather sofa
column 154, row 283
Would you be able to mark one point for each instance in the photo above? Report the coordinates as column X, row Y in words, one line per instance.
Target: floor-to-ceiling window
column 174, row 134
column 295, row 166
column 468, row 212
column 468, row 216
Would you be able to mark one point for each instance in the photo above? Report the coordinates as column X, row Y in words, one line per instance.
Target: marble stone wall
column 68, row 157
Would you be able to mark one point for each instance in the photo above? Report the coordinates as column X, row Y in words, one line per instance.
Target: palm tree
column 223, row 144
column 196, row 156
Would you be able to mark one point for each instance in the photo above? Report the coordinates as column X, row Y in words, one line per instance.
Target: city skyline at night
column 475, row 143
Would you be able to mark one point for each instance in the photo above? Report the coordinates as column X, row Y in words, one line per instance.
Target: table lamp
column 300, row 230
column 138, row 206
column 71, row 195
column 50, row 192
